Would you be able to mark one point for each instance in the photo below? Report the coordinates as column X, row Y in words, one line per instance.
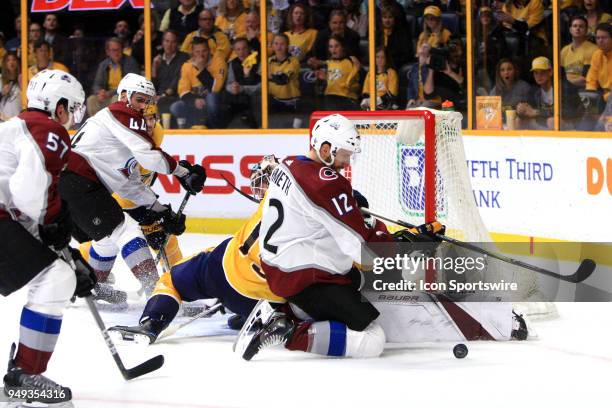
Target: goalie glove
column 193, row 180
column 423, row 233
column 160, row 222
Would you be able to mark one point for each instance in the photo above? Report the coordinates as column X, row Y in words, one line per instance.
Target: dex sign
column 47, row 6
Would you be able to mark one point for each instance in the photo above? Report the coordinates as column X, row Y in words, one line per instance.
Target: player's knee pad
column 173, row 251
column 51, row 290
column 367, row 343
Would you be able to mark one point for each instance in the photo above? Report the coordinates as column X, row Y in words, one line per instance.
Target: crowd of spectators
column 206, row 59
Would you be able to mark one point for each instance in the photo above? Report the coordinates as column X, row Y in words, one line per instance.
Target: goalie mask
column 339, row 132
column 50, row 86
column 260, row 175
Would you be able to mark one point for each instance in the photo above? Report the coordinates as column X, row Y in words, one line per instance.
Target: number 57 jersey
column 311, row 228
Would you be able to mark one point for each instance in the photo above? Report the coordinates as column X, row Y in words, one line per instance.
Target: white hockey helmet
column 339, row 132
column 49, row 86
column 260, row 175
column 134, row 83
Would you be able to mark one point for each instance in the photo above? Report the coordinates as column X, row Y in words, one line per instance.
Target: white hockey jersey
column 311, row 228
column 33, row 151
column 113, row 142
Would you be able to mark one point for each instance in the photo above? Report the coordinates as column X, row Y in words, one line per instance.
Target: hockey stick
column 242, row 193
column 178, row 214
column 585, row 269
column 127, row 373
column 170, row 330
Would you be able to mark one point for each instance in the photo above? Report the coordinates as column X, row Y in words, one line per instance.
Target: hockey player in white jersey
column 34, row 148
column 312, row 233
column 107, row 150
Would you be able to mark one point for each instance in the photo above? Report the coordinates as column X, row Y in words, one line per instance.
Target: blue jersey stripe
column 40, row 322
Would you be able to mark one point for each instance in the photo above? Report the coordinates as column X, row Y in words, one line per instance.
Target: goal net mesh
column 390, row 173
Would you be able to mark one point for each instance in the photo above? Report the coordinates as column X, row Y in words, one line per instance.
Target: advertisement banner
column 532, row 186
column 225, row 157
column 543, row 186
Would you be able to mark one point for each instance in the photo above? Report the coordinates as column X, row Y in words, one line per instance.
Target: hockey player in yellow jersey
column 229, row 272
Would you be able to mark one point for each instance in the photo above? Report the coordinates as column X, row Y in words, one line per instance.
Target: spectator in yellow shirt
column 200, row 85
column 599, row 76
column 524, row 17
column 218, row 42
column 231, row 18
column 283, row 76
column 433, row 33
column 341, row 74
column 576, row 57
column 299, row 31
column 386, row 83
column 42, row 54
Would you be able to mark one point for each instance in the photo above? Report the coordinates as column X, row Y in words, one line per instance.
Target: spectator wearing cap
column 183, row 19
column 42, row 54
column 434, row 32
column 218, row 41
column 301, row 35
column 539, row 113
column 166, row 70
column 108, row 74
column 337, row 26
column 599, row 76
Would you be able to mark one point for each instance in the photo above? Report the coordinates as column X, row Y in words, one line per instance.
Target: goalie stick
column 173, row 328
column 242, row 193
column 585, row 269
column 127, row 373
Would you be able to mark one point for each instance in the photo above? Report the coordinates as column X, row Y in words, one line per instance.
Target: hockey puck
column 460, row 350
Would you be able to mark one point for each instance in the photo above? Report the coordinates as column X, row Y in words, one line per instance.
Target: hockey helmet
column 134, row 83
column 260, row 175
column 339, row 132
column 49, row 86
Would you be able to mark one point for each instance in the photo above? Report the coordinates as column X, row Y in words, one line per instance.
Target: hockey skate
column 235, row 322
column 104, row 292
column 519, row 327
column 32, row 387
column 276, row 331
column 145, row 333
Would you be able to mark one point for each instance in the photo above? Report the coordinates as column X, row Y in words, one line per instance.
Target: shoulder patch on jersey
column 327, row 174
column 129, row 118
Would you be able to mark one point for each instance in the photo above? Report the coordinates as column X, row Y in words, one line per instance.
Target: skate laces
column 38, row 381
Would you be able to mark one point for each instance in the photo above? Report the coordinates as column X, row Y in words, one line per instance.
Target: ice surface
column 570, row 365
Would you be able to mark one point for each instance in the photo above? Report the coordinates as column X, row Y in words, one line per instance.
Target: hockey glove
column 194, row 180
column 423, row 233
column 58, row 232
column 362, row 202
column 155, row 235
column 85, row 275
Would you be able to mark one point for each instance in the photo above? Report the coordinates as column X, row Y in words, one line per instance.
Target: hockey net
column 412, row 167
